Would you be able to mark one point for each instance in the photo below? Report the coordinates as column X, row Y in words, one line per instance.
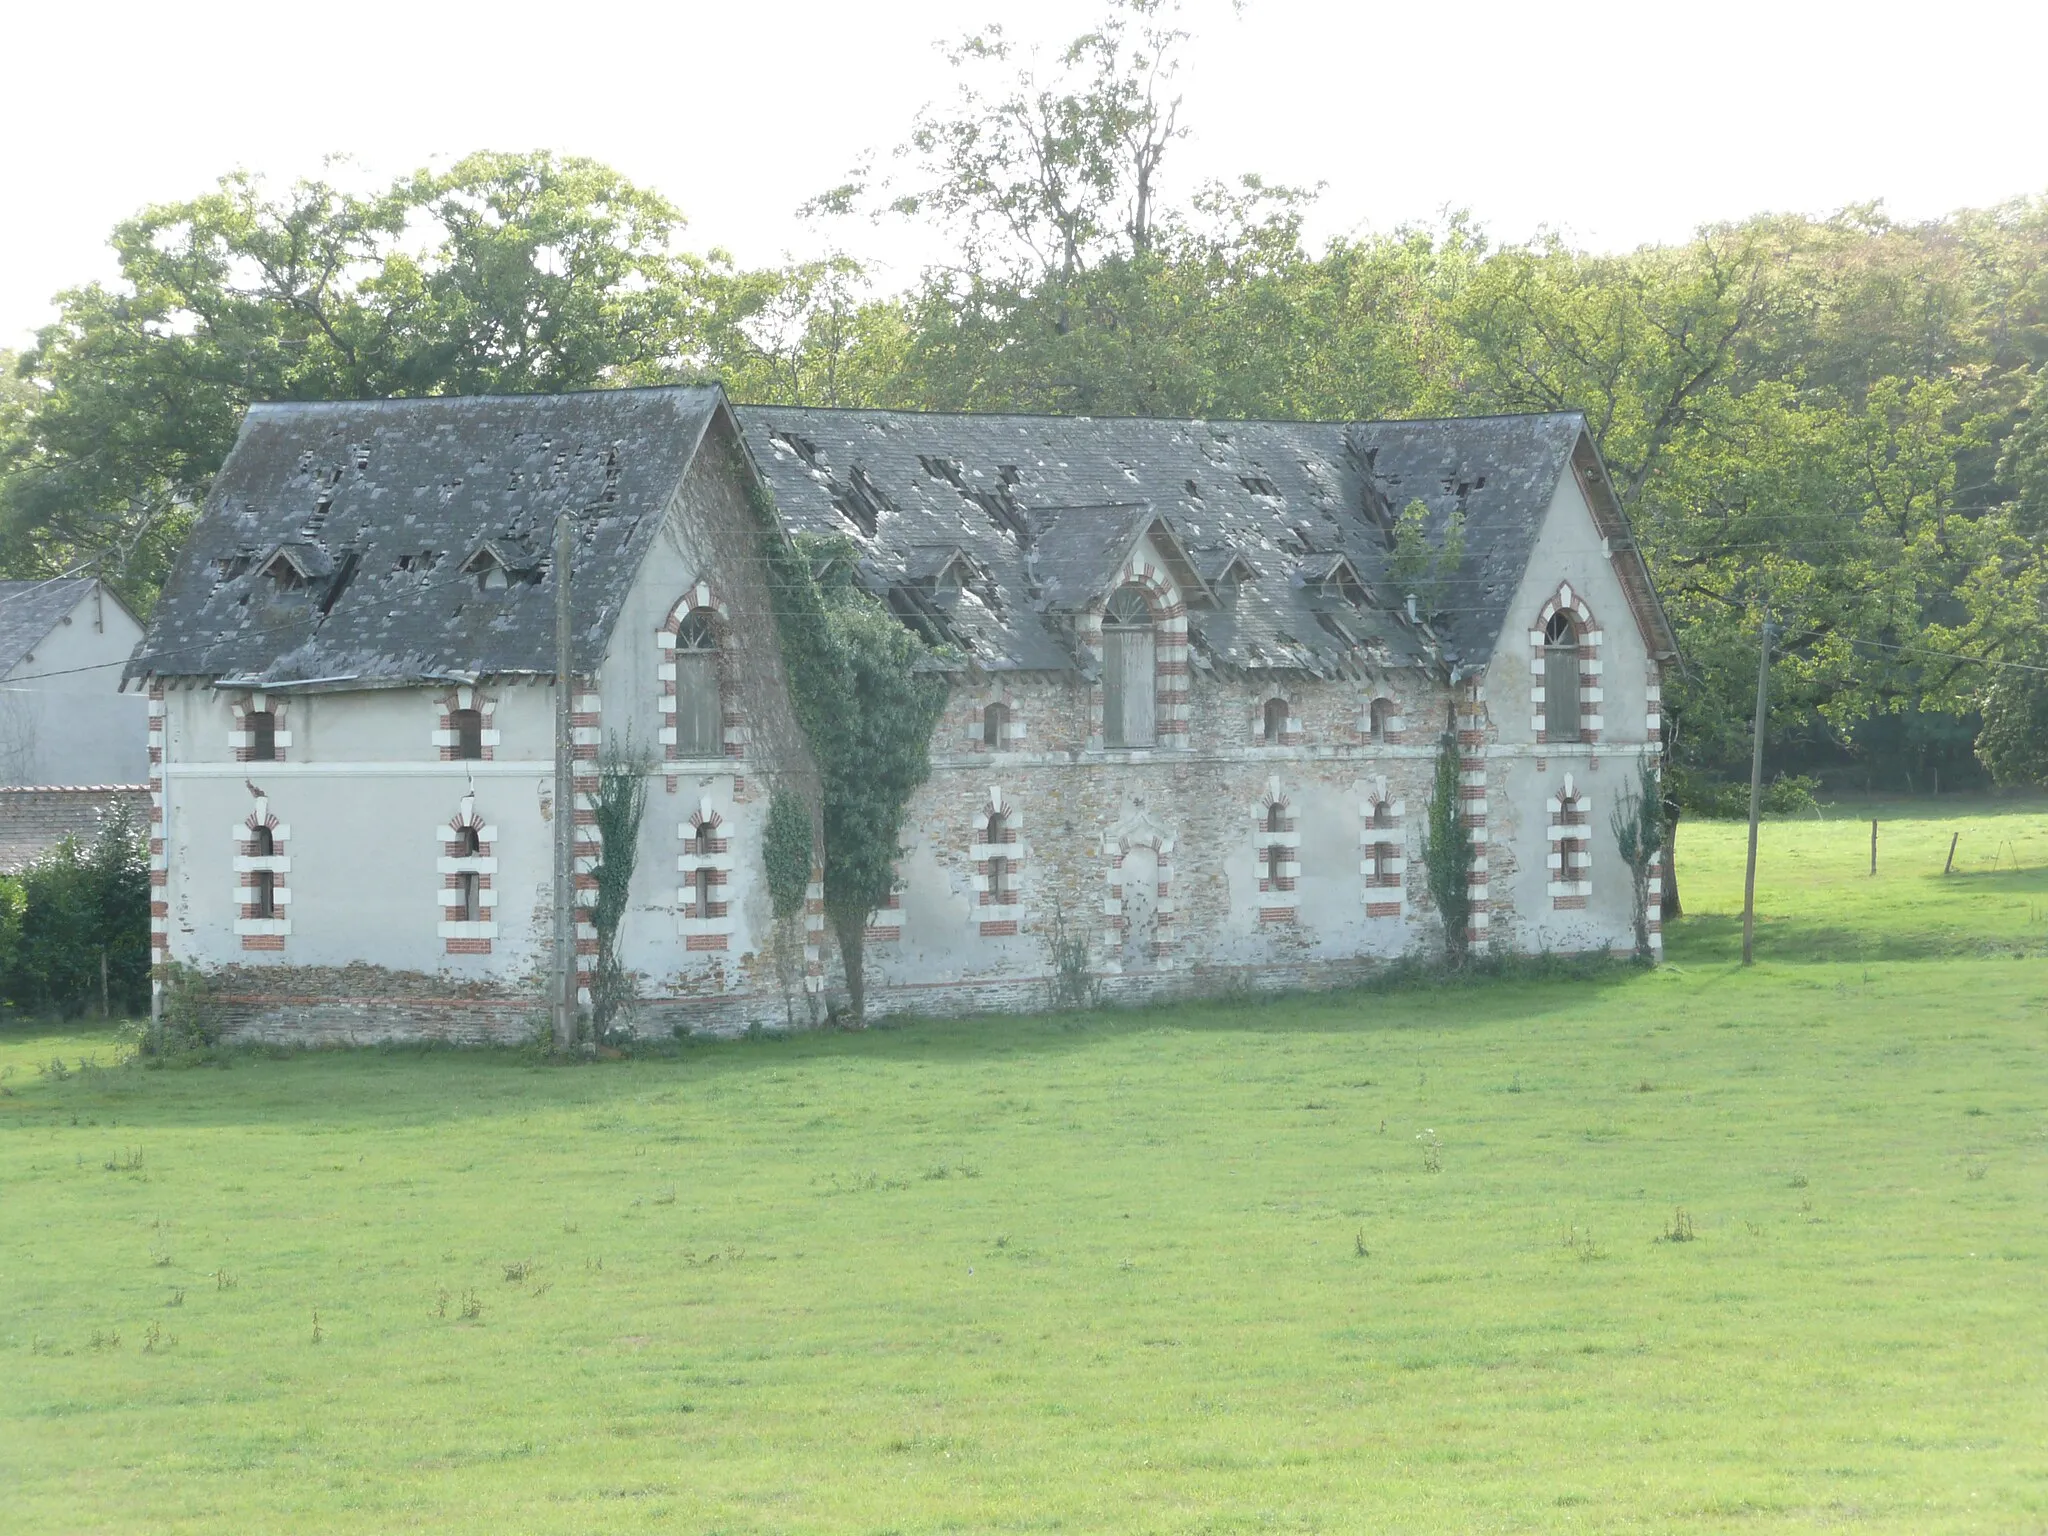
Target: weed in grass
column 224, row 1280
column 1432, row 1152
column 177, row 1298
column 472, row 1308
column 128, row 1161
column 441, row 1299
column 318, row 1332
column 518, row 1270
column 1797, row 1181
column 1358, row 1248
column 1680, row 1229
column 42, row 1346
column 667, row 1196
column 1644, row 1085
column 56, row 1071
column 1976, row 1168
column 105, row 1340
column 1580, row 1241
column 542, row 1289
column 1516, row 1085
column 153, row 1339
column 572, row 1227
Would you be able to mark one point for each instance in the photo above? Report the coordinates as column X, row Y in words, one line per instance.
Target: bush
column 83, row 930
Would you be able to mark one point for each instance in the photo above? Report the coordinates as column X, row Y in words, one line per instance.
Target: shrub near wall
column 83, row 929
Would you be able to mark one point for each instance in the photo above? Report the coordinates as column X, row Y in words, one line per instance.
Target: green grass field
column 1390, row 1261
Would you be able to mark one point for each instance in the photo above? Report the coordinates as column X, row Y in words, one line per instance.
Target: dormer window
column 468, row 725
column 995, row 726
column 284, row 575
column 1129, row 670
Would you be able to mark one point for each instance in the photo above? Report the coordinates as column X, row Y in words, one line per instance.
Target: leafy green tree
column 83, row 923
column 506, row 273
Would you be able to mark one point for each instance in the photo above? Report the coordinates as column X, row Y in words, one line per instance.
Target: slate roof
column 344, row 541
column 29, row 610
column 1288, row 526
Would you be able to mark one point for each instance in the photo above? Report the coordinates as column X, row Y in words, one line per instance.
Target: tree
column 507, row 273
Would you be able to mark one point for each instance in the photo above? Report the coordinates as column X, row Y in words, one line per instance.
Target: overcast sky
column 1617, row 124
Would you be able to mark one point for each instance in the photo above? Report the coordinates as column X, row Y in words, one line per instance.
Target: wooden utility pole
column 1756, row 792
column 1873, row 847
column 565, row 795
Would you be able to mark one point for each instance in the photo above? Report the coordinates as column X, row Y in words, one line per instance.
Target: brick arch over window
column 704, row 899
column 262, row 879
column 1566, row 608
column 259, row 724
column 1383, row 850
column 998, row 856
column 699, row 712
column 1279, row 855
column 1571, row 847
column 1169, row 615
column 468, row 730
column 468, row 866
column 1142, row 832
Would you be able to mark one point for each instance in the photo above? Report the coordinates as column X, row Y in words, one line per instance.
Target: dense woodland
column 1841, row 422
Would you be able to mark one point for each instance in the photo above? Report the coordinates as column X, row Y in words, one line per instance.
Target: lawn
column 1696, row 1249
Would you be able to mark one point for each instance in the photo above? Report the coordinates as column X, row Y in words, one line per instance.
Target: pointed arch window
column 1129, row 670
column 700, row 723
column 1561, row 677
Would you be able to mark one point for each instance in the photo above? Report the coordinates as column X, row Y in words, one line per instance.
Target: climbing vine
column 1447, row 853
column 1638, row 824
column 619, row 805
column 786, row 849
column 867, row 707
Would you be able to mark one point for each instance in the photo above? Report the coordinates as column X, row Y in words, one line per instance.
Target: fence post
column 1953, row 836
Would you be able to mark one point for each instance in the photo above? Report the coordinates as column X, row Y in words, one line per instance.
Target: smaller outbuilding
column 63, row 717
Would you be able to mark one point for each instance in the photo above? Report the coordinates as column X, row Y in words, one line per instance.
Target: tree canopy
column 1842, row 420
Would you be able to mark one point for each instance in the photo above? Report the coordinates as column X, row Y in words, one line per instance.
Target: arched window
column 1276, row 722
column 1129, row 675
column 1561, row 678
column 700, row 721
column 995, row 727
column 998, row 863
column 1276, row 851
column 264, row 846
column 261, row 724
column 468, row 725
column 1378, row 714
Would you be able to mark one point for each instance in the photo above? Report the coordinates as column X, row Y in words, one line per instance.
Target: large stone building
column 1193, row 717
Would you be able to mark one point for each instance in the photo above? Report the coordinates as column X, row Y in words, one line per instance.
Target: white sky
column 1617, row 123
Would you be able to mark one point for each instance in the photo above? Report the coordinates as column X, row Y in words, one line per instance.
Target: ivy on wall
column 867, row 705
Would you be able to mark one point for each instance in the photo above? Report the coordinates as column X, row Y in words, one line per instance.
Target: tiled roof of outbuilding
column 1269, row 511
column 344, row 540
column 29, row 610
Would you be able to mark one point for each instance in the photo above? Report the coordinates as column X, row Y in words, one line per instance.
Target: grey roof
column 386, row 510
column 29, row 610
column 1048, row 506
